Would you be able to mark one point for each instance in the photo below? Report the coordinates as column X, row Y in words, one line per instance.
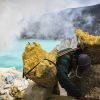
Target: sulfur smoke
column 15, row 15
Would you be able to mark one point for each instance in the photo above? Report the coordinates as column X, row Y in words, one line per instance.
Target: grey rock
column 7, row 86
column 9, row 78
column 2, row 92
column 34, row 92
column 1, row 98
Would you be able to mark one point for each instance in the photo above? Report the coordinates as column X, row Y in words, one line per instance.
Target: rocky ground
column 10, row 77
column 13, row 86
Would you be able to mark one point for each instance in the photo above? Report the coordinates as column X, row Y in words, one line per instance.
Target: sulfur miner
column 47, row 68
column 43, row 69
column 90, row 81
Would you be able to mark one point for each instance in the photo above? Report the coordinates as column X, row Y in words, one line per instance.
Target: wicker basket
column 46, row 81
column 39, row 65
column 94, row 52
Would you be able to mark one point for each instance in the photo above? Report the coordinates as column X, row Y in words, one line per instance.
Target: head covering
column 84, row 61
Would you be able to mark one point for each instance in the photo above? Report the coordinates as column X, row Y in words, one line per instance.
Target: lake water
column 13, row 58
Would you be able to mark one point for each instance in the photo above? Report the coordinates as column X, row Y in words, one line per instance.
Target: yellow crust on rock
column 87, row 38
column 33, row 55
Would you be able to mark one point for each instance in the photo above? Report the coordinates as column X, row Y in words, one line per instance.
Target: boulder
column 35, row 92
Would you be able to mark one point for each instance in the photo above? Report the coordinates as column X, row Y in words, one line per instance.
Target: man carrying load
column 44, row 72
column 68, row 60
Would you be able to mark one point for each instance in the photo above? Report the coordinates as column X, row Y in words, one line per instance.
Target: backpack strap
column 65, row 51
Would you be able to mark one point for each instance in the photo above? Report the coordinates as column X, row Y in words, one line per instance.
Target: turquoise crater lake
column 13, row 57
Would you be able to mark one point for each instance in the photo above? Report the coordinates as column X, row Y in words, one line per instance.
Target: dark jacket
column 63, row 68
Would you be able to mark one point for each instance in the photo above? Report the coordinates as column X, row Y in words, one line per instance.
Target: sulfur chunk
column 87, row 38
column 40, row 62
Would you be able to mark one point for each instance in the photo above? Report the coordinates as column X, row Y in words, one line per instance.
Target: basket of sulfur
column 39, row 65
column 92, row 45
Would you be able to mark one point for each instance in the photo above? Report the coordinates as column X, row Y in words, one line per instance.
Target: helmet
column 84, row 61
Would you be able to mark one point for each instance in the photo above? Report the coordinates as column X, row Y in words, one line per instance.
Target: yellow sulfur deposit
column 17, row 93
column 46, row 64
column 87, row 38
column 32, row 55
column 39, row 64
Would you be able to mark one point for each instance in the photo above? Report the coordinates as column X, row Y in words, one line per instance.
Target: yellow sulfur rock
column 17, row 93
column 45, row 62
column 32, row 55
column 87, row 38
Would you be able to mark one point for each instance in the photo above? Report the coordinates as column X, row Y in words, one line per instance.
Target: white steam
column 8, row 28
column 12, row 12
